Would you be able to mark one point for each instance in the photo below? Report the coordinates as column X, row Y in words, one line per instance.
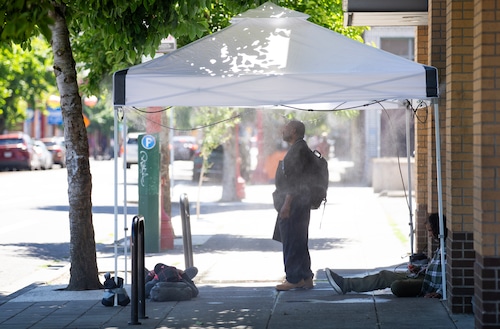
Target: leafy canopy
column 109, row 35
column 26, row 80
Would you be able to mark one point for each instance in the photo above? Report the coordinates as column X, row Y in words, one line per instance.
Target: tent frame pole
column 410, row 187
column 115, row 153
column 125, row 214
column 442, row 242
column 116, row 147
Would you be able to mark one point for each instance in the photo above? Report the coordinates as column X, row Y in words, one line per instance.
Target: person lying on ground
column 420, row 280
column 174, row 279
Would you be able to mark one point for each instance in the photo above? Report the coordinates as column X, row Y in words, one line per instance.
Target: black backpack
column 318, row 179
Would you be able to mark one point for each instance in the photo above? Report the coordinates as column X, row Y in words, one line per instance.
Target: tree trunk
column 358, row 146
column 229, row 171
column 83, row 272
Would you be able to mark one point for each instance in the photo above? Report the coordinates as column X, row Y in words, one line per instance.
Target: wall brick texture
column 463, row 42
column 486, row 162
column 459, row 181
column 487, row 292
column 421, row 148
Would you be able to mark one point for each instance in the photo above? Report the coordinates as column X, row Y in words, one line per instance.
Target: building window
column 403, row 47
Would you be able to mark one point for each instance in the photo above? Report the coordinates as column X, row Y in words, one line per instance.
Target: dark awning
column 385, row 12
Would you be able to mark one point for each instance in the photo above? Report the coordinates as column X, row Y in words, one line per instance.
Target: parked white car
column 132, row 148
column 44, row 155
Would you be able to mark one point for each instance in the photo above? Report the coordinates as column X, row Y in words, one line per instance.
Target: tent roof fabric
column 273, row 56
column 269, row 10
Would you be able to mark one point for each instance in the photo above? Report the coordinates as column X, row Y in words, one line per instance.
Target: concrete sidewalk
column 235, row 306
column 239, row 265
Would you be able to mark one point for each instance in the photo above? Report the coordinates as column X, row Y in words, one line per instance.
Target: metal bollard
column 138, row 293
column 186, row 231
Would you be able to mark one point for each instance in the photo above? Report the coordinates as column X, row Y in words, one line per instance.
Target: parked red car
column 16, row 152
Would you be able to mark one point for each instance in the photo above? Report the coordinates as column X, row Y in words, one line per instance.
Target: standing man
column 292, row 201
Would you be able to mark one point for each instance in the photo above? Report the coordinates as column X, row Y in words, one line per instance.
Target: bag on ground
column 112, row 289
column 171, row 291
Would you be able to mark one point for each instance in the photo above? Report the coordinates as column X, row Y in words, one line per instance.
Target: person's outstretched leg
column 380, row 280
column 407, row 287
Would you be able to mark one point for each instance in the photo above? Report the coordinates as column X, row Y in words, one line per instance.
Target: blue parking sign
column 148, row 142
column 55, row 116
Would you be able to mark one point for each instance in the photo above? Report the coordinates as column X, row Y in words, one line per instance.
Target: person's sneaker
column 191, row 272
column 288, row 286
column 308, row 283
column 336, row 281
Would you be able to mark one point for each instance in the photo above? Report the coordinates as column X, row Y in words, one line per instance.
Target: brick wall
column 437, row 58
column 486, row 162
column 460, row 269
column 422, row 153
column 459, row 157
column 487, row 296
column 463, row 44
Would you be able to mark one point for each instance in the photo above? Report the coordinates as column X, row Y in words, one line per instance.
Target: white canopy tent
column 271, row 57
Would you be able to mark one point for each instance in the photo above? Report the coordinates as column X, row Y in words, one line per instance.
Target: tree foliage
column 326, row 13
column 119, row 38
column 26, row 81
column 116, row 39
column 21, row 20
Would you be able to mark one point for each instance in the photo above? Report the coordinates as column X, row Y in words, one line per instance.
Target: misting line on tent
column 142, row 112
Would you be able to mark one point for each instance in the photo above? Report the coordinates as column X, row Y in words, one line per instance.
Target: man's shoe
column 308, row 283
column 336, row 281
column 191, row 272
column 288, row 286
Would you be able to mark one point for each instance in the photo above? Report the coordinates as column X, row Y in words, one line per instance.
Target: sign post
column 149, row 189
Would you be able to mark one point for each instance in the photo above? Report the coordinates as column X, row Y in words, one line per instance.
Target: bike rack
column 138, row 295
column 186, row 231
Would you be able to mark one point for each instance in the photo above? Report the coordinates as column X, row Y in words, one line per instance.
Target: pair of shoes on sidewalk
column 304, row 284
column 336, row 281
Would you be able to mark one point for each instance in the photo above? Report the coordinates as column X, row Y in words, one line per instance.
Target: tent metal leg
column 440, row 194
column 116, row 184
column 115, row 136
column 410, row 187
column 125, row 228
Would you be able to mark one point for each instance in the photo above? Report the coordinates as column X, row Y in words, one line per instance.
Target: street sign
column 148, row 142
column 30, row 114
column 149, row 189
column 55, row 116
column 167, row 45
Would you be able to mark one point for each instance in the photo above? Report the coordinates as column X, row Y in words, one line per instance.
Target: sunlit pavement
column 239, row 265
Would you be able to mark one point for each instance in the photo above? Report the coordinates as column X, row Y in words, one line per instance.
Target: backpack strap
column 322, row 213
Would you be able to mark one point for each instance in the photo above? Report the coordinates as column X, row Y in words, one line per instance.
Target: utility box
column 149, row 189
column 391, row 174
